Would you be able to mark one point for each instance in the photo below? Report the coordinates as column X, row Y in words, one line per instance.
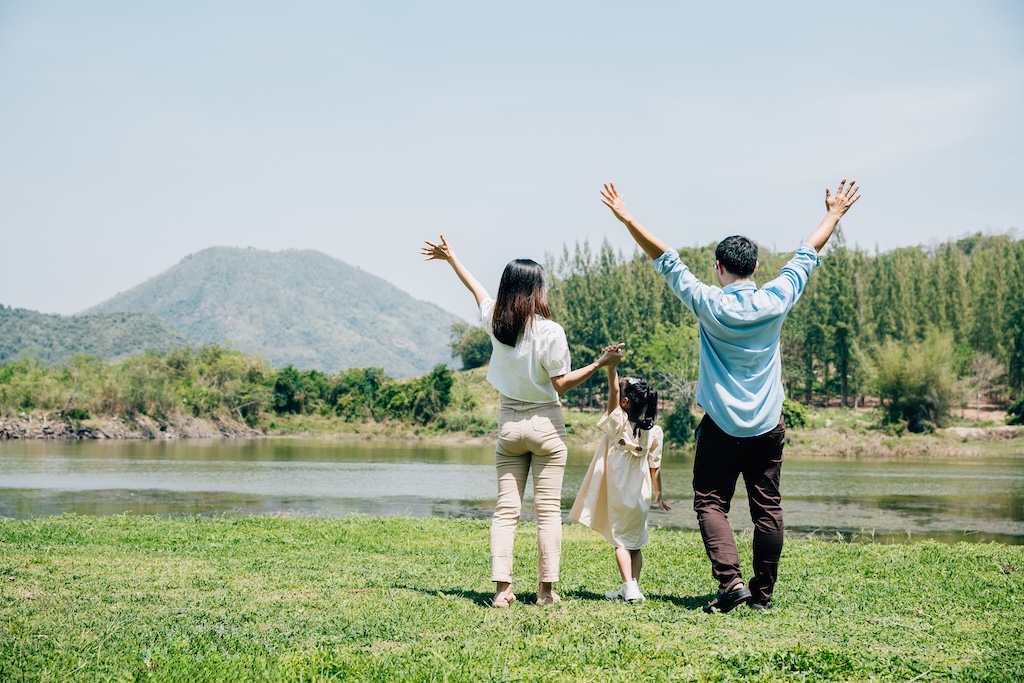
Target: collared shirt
column 523, row 372
column 740, row 379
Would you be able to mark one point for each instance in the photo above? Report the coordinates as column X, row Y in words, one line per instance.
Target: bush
column 471, row 344
column 680, row 423
column 794, row 415
column 915, row 382
column 1015, row 414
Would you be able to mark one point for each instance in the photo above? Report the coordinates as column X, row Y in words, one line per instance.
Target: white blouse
column 524, row 372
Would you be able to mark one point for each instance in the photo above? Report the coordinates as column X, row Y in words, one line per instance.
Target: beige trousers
column 531, row 436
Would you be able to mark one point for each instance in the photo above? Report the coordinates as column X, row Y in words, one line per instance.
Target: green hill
column 55, row 339
column 295, row 307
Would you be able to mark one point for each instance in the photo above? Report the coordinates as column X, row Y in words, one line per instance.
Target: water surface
column 975, row 499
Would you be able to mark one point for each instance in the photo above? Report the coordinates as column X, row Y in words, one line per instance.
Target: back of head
column 522, row 294
column 738, row 255
column 643, row 401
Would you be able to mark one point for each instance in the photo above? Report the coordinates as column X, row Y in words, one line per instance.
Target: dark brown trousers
column 719, row 462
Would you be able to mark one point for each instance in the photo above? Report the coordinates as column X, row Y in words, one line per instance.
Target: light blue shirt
column 739, row 384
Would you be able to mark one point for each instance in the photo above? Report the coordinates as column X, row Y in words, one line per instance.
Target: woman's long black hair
column 521, row 294
column 643, row 401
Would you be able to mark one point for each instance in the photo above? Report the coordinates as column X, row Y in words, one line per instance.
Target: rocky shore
column 55, row 426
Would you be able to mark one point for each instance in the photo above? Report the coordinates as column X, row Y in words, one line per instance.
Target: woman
column 530, row 367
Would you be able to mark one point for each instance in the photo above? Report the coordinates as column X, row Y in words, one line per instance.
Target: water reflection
column 975, row 500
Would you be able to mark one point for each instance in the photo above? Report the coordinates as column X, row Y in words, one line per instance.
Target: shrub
column 915, row 382
column 794, row 414
column 680, row 423
column 1015, row 414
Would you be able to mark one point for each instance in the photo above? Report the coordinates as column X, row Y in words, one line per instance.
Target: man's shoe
column 727, row 599
column 759, row 606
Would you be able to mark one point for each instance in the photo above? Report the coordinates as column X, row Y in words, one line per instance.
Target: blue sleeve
column 691, row 291
column 790, row 283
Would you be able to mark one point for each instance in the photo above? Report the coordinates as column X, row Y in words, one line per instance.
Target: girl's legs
column 624, row 558
column 631, row 563
column 636, row 558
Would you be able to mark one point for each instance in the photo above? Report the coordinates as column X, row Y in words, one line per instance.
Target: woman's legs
column 512, row 473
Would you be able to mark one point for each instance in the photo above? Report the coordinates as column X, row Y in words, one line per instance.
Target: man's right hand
column 843, row 199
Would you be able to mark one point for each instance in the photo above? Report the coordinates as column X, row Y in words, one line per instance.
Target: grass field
column 399, row 599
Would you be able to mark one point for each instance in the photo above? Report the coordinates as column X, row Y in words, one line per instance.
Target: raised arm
column 835, row 207
column 443, row 252
column 649, row 242
column 571, row 380
column 613, row 387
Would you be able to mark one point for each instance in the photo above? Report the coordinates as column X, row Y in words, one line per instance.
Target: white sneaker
column 631, row 592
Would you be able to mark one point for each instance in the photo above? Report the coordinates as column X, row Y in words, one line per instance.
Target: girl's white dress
column 616, row 493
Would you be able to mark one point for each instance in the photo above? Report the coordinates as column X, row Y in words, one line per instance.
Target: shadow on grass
column 691, row 602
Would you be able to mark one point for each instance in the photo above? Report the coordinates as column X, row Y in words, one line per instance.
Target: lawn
column 397, row 599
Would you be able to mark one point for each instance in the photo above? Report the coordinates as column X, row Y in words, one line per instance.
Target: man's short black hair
column 738, row 255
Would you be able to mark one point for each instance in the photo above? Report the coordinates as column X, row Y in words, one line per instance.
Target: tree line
column 217, row 382
column 919, row 330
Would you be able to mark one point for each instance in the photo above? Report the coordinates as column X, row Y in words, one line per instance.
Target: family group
column 739, row 387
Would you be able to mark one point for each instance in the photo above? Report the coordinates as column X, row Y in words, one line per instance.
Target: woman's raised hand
column 436, row 252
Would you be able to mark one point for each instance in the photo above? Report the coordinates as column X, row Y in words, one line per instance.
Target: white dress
column 616, row 493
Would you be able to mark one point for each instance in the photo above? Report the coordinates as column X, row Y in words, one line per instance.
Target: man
column 740, row 388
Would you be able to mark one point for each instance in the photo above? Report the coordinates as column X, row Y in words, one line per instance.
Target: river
column 975, row 499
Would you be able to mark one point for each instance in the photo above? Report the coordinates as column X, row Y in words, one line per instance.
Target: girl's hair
column 643, row 401
column 521, row 295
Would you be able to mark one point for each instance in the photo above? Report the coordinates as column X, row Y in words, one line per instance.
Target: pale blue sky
column 134, row 133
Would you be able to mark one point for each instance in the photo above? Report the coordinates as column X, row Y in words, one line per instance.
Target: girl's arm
column 571, row 380
column 656, row 479
column 443, row 252
column 613, row 390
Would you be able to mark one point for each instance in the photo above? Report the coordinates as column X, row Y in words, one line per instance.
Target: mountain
column 295, row 307
column 55, row 339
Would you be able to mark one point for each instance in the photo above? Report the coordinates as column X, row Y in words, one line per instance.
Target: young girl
column 530, row 366
column 616, row 493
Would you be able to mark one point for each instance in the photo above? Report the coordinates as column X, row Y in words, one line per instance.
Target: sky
column 135, row 133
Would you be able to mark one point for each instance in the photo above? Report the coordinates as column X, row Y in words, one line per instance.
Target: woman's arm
column 571, row 380
column 443, row 252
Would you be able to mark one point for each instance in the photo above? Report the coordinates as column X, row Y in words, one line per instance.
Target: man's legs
column 762, row 474
column 715, row 471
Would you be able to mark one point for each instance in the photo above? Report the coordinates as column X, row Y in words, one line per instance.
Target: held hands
column 843, row 199
column 437, row 252
column 615, row 201
column 610, row 355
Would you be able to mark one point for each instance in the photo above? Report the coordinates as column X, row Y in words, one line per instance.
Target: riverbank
column 399, row 599
column 833, row 433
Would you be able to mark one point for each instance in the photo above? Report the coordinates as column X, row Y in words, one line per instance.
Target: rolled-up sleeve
column 681, row 280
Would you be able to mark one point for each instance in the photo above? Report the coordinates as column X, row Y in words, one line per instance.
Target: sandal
column 502, row 601
column 728, row 598
column 552, row 599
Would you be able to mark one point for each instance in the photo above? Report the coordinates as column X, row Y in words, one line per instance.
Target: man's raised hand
column 844, row 197
column 615, row 201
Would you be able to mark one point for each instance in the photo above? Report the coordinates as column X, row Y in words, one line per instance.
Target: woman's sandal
column 503, row 601
column 552, row 599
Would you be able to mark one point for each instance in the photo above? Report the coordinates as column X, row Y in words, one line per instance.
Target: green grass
column 398, row 599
